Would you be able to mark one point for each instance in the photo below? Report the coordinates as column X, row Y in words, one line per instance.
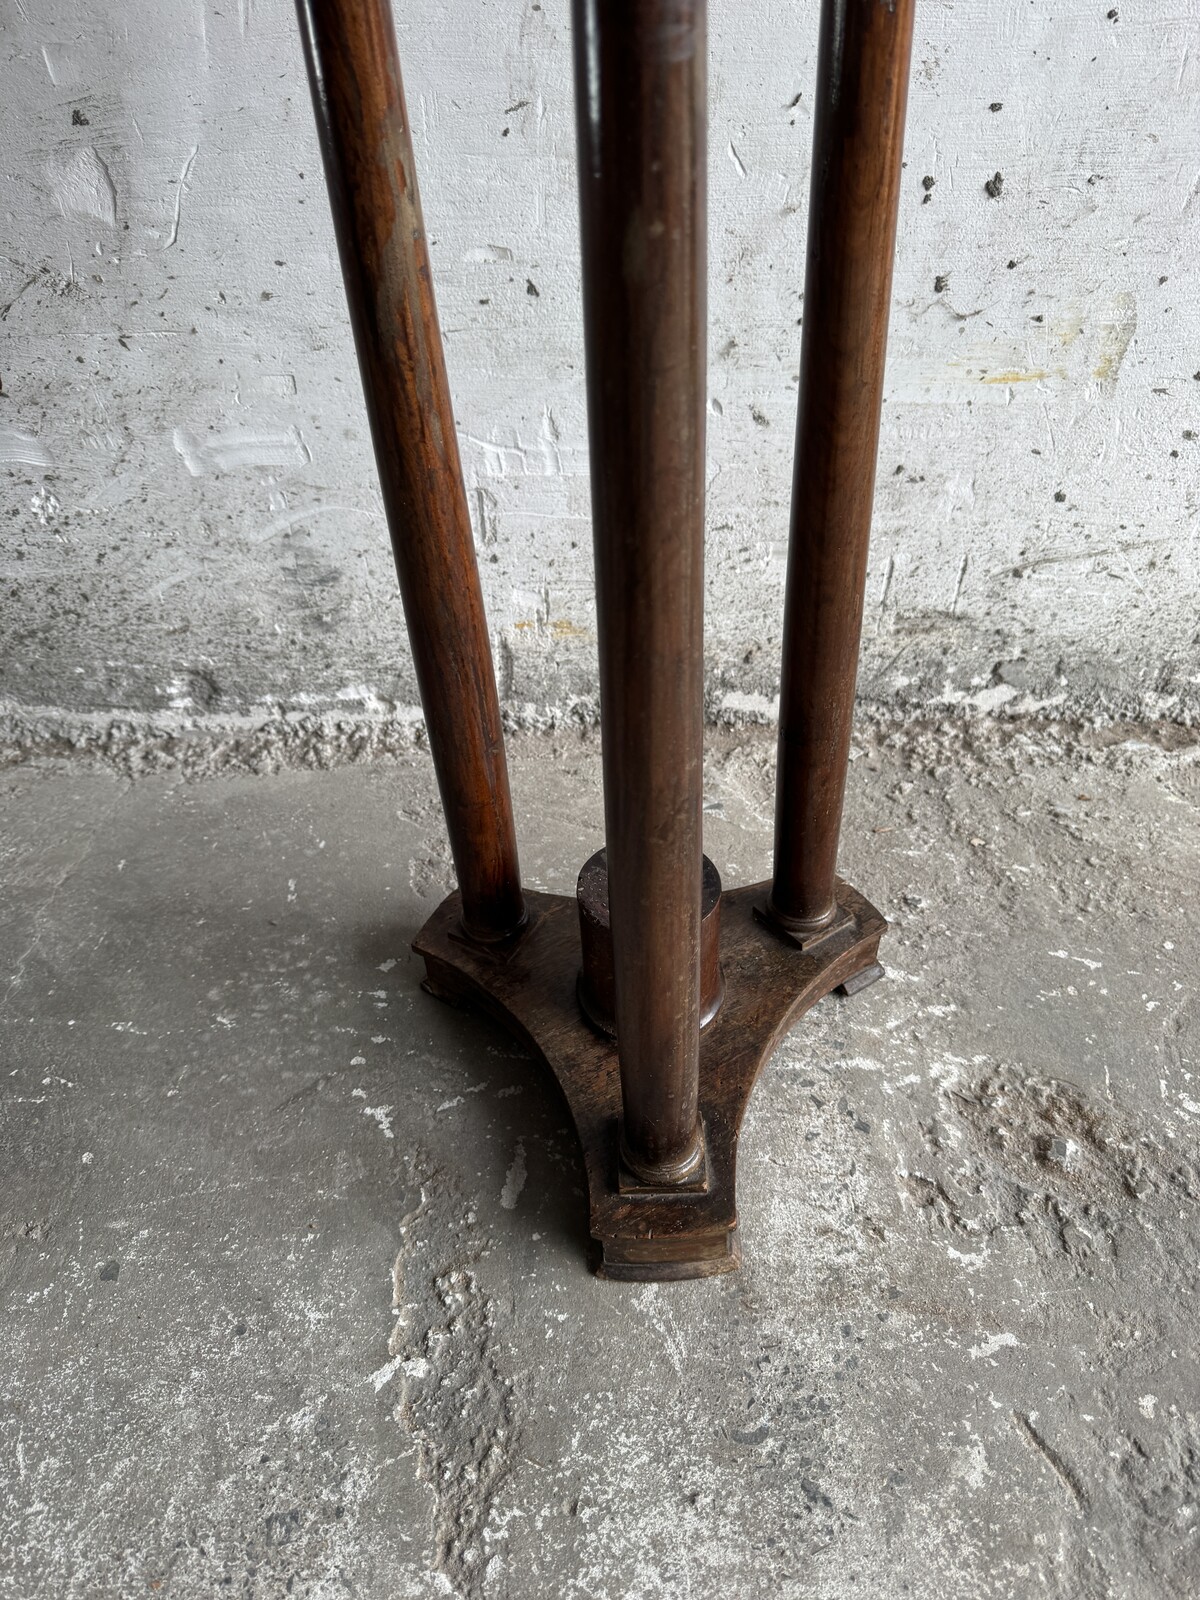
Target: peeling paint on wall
column 82, row 186
column 1117, row 337
column 20, row 449
column 235, row 448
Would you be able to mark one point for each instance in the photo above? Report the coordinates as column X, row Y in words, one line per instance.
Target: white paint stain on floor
column 382, row 1116
column 514, row 1178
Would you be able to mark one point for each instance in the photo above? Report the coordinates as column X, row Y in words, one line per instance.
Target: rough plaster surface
column 190, row 514
column 293, row 1300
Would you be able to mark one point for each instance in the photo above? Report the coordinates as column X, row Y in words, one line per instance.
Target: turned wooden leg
column 862, row 83
column 640, row 105
column 354, row 71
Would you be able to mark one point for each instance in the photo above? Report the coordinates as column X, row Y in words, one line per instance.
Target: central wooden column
column 640, row 99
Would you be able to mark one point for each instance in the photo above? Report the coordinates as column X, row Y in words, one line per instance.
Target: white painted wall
column 187, row 497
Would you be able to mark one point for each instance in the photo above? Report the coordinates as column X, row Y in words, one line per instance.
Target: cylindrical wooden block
column 597, row 996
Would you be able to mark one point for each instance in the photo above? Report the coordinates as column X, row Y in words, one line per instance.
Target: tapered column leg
column 640, row 103
column 862, row 83
column 354, row 72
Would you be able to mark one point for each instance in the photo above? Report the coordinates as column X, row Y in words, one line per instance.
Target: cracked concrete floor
column 294, row 1299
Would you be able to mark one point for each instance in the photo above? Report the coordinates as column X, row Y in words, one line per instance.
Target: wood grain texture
column 862, row 85
column 358, row 96
column 641, row 115
column 529, row 986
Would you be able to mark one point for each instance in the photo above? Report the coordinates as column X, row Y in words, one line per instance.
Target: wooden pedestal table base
column 658, row 1126
column 528, row 983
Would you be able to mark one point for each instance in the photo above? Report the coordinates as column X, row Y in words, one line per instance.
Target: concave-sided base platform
column 529, row 985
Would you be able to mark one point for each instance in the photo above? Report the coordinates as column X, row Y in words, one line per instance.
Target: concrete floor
column 294, row 1298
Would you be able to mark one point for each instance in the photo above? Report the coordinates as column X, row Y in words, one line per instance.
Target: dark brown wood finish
column 640, row 104
column 354, row 71
column 528, row 985
column 862, row 84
